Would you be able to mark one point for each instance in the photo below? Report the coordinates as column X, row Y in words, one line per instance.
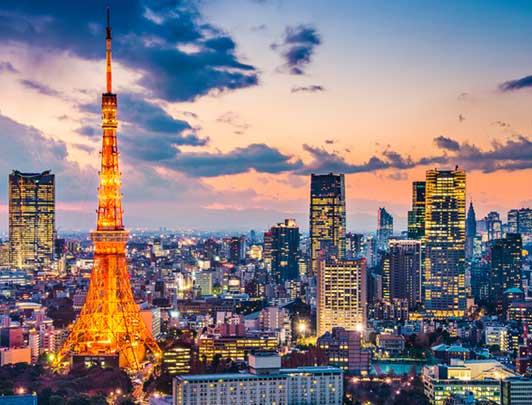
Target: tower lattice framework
column 110, row 322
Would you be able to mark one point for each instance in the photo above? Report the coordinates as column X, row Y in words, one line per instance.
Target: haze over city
column 226, row 107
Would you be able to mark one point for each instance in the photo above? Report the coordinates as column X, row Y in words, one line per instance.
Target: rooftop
column 283, row 372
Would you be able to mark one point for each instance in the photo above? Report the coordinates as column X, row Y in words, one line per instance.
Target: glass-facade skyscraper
column 327, row 217
column 471, row 231
column 284, row 250
column 384, row 228
column 445, row 293
column 403, row 264
column 31, row 219
column 416, row 217
column 506, row 264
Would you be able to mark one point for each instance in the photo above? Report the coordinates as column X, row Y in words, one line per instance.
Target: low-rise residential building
column 390, row 344
column 344, row 350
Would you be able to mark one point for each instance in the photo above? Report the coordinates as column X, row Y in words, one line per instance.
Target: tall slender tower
column 471, row 231
column 445, row 294
column 110, row 330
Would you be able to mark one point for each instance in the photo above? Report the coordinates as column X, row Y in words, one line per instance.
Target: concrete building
column 341, row 294
column 265, row 383
column 344, row 350
column 481, row 377
column 516, row 391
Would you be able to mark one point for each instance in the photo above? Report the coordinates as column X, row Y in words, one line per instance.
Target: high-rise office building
column 416, row 217
column 520, row 221
column 31, row 219
column 341, row 294
column 445, row 294
column 403, row 262
column 493, row 225
column 471, row 231
column 506, row 265
column 327, row 217
column 285, row 251
column 384, row 228
column 235, row 249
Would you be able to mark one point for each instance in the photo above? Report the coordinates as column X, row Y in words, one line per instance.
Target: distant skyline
column 227, row 106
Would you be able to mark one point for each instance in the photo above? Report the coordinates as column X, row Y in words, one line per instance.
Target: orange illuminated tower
column 110, row 329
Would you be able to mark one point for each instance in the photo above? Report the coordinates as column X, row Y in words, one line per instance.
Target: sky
column 227, row 106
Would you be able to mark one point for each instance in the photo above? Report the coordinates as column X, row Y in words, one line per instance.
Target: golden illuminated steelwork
column 110, row 323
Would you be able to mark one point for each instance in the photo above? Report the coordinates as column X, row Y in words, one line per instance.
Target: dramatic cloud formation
column 511, row 154
column 446, row 143
column 150, row 134
column 516, row 84
column 179, row 56
column 298, row 46
column 259, row 157
column 314, row 88
column 28, row 150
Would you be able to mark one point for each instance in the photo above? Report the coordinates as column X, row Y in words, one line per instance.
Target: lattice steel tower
column 110, row 324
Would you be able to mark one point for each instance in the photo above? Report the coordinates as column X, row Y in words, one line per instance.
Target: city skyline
column 337, row 98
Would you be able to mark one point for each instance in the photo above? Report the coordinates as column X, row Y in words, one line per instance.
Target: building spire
column 108, row 51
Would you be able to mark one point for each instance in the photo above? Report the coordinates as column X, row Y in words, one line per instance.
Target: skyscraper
column 506, row 265
column 493, row 225
column 403, row 262
column 384, row 228
column 327, row 217
column 235, row 249
column 520, row 221
column 285, row 251
column 416, row 217
column 110, row 330
column 471, row 231
column 341, row 294
column 445, row 243
column 31, row 219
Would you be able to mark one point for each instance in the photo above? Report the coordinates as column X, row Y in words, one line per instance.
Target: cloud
column 258, row 156
column 178, row 55
column 517, row 84
column 297, row 47
column 446, row 143
column 26, row 149
column 149, row 133
column 315, row 88
column 232, row 118
column 7, row 67
column 324, row 161
column 39, row 88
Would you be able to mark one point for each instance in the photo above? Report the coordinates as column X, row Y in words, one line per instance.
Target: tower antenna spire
column 108, row 51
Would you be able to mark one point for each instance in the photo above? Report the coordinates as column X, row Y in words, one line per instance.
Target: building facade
column 327, row 217
column 416, row 216
column 341, row 295
column 284, row 251
column 384, row 228
column 506, row 264
column 445, row 294
column 31, row 219
column 403, row 263
column 265, row 383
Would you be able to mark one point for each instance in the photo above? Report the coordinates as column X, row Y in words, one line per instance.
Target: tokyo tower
column 109, row 330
